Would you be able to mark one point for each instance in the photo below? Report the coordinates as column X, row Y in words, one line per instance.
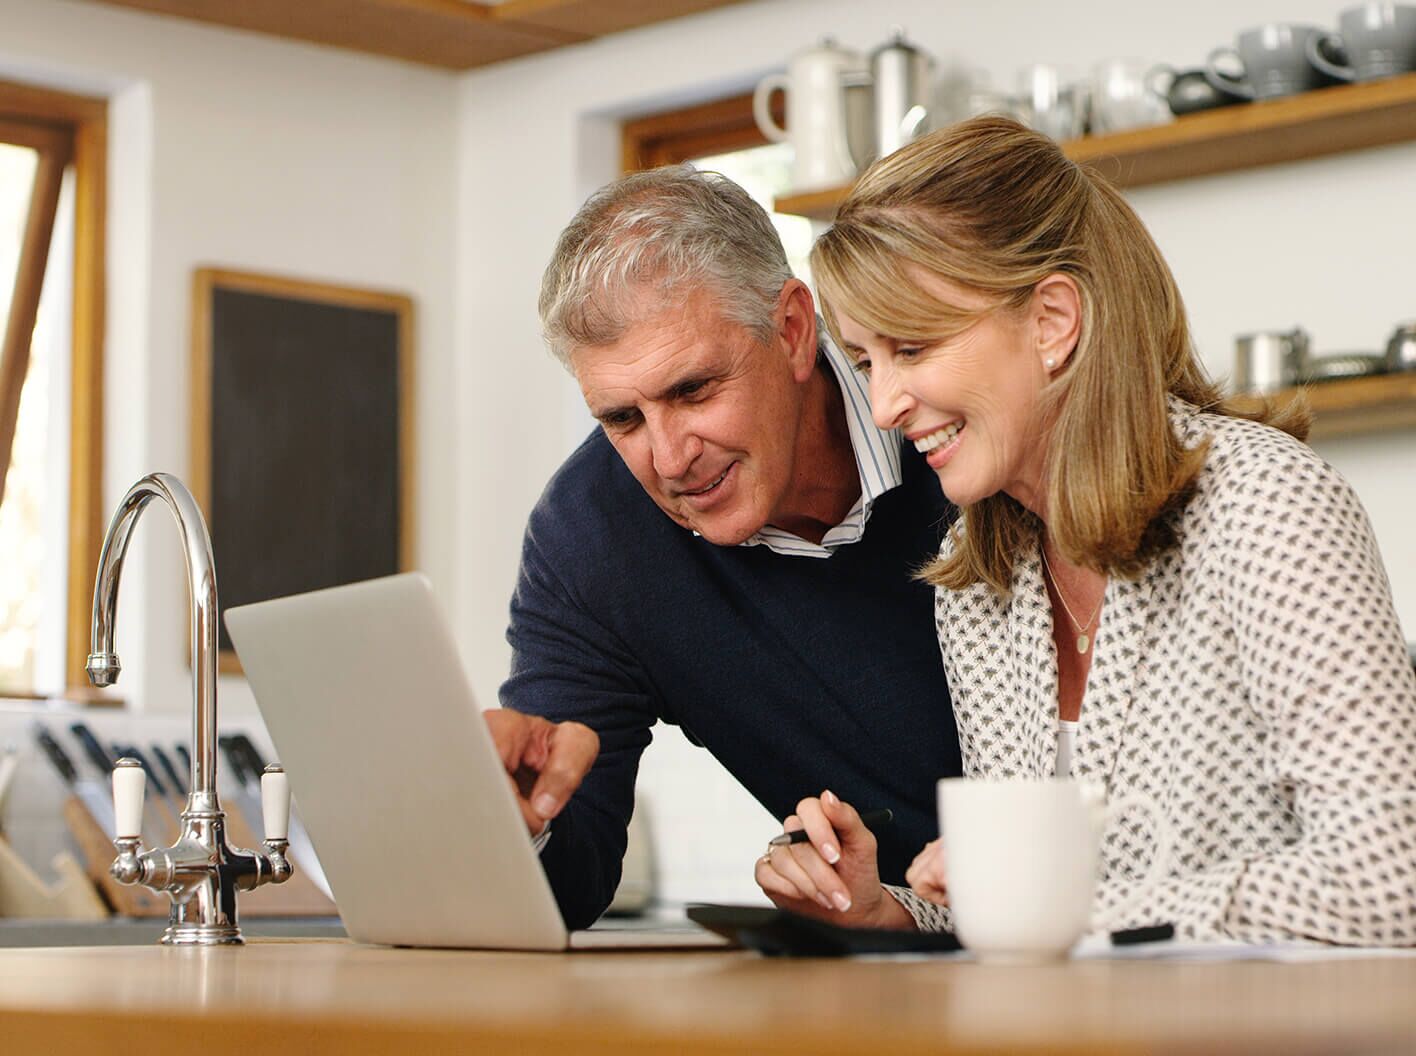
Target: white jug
column 827, row 117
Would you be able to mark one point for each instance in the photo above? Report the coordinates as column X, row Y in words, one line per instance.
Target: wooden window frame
column 52, row 149
column 82, row 123
column 715, row 127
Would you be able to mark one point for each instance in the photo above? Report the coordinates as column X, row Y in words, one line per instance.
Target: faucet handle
column 129, row 781
column 275, row 803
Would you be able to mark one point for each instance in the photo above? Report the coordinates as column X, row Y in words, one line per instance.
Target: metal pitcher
column 903, row 77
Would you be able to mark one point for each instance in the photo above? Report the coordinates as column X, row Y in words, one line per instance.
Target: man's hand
column 545, row 761
column 833, row 876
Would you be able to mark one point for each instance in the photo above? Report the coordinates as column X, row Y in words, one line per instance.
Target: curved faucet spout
column 103, row 665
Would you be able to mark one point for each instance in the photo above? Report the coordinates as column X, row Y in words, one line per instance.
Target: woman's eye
column 862, row 365
column 908, row 353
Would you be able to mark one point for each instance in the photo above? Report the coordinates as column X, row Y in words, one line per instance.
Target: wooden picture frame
column 302, row 434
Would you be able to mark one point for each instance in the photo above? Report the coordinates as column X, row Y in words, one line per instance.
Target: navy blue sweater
column 798, row 674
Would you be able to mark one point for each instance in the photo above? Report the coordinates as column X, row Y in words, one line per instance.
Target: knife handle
column 128, row 781
column 92, row 746
column 234, row 760
column 255, row 764
column 132, row 752
column 179, row 787
column 56, row 755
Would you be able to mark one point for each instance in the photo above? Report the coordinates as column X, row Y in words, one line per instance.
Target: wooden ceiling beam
column 597, row 18
column 450, row 34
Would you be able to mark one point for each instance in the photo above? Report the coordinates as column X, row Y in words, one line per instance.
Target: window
column 52, row 149
column 723, row 136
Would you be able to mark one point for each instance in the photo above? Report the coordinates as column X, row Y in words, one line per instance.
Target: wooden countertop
column 317, row 997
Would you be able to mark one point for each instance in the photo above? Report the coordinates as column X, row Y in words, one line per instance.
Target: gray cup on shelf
column 1377, row 39
column 1275, row 62
column 1270, row 360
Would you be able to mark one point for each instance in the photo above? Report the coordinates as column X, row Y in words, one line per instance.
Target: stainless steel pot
column 1401, row 348
column 1269, row 361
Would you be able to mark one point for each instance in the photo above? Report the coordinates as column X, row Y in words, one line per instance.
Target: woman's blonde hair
column 994, row 207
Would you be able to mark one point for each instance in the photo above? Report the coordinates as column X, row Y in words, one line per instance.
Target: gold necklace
column 1083, row 639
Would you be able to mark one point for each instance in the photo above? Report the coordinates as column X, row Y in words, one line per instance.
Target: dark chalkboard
column 302, row 419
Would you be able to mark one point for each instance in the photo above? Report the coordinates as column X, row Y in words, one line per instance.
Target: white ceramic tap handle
column 129, row 781
column 275, row 802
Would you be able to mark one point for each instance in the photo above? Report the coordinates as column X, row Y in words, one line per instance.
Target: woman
column 1148, row 587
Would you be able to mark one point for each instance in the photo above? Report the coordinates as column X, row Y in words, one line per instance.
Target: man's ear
column 1056, row 314
column 796, row 327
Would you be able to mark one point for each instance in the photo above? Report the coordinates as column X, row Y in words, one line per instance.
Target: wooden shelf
column 1246, row 136
column 1360, row 405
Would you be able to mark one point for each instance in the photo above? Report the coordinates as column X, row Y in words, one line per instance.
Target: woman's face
column 969, row 403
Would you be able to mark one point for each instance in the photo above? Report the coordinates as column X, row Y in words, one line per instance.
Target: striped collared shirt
column 877, row 457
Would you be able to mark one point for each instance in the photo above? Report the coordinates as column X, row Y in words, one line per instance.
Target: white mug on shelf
column 1122, row 98
column 1051, row 103
column 1021, row 860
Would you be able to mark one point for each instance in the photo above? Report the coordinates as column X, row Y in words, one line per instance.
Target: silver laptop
column 396, row 776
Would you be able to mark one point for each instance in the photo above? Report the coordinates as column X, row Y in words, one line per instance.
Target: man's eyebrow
column 611, row 412
column 670, row 391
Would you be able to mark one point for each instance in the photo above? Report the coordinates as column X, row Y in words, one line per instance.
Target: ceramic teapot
column 827, row 118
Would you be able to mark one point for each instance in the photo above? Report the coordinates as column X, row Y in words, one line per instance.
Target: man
column 731, row 552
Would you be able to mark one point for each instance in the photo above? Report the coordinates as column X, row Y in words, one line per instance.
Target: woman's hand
column 926, row 874
column 833, row 876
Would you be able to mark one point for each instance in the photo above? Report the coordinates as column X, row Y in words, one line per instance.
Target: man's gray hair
column 664, row 231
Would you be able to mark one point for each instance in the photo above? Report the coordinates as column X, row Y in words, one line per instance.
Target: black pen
column 1148, row 933
column 872, row 819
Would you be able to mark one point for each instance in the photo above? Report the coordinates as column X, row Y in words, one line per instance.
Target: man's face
column 705, row 415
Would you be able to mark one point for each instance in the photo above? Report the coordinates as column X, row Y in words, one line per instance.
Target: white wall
column 1324, row 243
column 241, row 151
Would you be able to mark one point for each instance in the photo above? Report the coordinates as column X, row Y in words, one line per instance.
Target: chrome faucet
column 200, row 873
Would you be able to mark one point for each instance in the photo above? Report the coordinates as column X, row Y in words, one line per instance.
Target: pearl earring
column 1049, row 362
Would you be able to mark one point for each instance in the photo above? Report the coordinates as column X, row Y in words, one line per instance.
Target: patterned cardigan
column 1253, row 681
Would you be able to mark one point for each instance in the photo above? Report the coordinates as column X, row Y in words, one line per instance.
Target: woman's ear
column 1056, row 314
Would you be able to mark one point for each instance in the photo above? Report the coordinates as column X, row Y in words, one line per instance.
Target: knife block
column 24, row 895
column 98, row 852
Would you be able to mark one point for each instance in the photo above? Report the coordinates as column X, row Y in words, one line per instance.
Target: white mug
column 1047, row 103
column 1021, row 860
column 1122, row 98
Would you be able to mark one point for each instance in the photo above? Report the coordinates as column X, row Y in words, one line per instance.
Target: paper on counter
column 1098, row 948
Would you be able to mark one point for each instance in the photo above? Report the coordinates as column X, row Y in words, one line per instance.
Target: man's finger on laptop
column 512, row 731
column 535, row 824
column 572, row 749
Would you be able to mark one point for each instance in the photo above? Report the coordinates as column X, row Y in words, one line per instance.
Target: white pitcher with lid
column 824, row 119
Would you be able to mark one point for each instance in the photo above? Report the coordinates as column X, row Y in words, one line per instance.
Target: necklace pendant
column 1083, row 643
